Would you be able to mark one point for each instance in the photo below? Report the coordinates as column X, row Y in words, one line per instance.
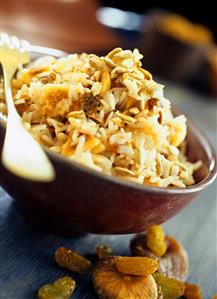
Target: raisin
column 136, row 265
column 103, row 251
column 192, row 291
column 60, row 289
column 171, row 288
column 90, row 103
column 174, row 263
column 71, row 260
column 156, row 240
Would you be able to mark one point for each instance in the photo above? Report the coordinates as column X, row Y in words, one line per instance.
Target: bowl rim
column 199, row 134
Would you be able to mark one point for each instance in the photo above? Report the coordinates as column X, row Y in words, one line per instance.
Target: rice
column 106, row 113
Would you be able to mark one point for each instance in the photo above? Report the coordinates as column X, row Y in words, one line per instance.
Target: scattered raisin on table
column 171, row 288
column 71, row 260
column 156, row 240
column 174, row 263
column 135, row 265
column 60, row 289
column 192, row 291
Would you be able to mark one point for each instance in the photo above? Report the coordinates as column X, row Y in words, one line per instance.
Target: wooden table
column 26, row 253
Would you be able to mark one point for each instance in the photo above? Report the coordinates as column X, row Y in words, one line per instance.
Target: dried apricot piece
column 71, row 260
column 111, row 284
column 135, row 265
column 171, row 288
column 174, row 263
column 214, row 296
column 60, row 289
column 156, row 240
column 103, row 251
column 192, row 291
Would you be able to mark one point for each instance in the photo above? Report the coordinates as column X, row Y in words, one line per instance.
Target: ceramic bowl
column 83, row 200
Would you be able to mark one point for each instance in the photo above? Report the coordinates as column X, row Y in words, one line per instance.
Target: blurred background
column 177, row 40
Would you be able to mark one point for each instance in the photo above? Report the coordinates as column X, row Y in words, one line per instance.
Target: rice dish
column 106, row 113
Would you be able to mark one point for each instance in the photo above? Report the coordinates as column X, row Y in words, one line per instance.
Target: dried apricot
column 171, row 288
column 60, row 289
column 192, row 291
column 111, row 284
column 174, row 263
column 135, row 265
column 103, row 251
column 214, row 296
column 71, row 260
column 156, row 240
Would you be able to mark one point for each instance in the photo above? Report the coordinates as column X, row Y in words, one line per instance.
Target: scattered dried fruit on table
column 156, row 240
column 60, row 289
column 135, row 265
column 71, row 260
column 111, row 284
column 174, row 263
column 192, row 291
column 171, row 288
column 103, row 251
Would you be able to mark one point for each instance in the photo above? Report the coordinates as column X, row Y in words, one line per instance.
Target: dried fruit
column 103, row 251
column 173, row 264
column 135, row 265
column 111, row 284
column 60, row 289
column 151, row 103
column 171, row 288
column 156, row 240
column 90, row 104
column 214, row 296
column 192, row 291
column 71, row 260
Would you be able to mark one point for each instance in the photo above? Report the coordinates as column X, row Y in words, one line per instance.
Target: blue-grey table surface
column 26, row 252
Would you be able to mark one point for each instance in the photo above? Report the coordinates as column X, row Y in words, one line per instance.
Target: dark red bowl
column 84, row 200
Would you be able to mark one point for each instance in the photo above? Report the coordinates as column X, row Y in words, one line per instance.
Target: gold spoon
column 21, row 154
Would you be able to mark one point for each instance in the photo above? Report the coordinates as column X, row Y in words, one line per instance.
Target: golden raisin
column 103, row 251
column 60, row 289
column 171, row 288
column 156, row 240
column 192, row 291
column 111, row 284
column 135, row 265
column 173, row 264
column 71, row 260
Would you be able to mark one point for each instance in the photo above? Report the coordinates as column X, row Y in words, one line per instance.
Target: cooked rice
column 106, row 113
